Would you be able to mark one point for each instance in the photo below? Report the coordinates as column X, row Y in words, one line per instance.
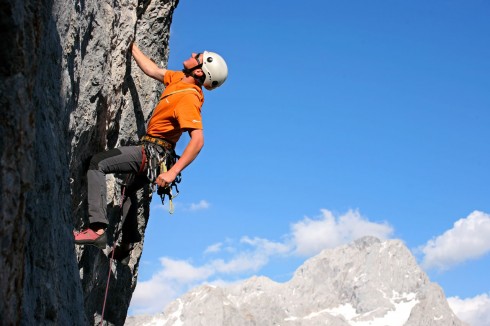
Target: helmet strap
column 189, row 71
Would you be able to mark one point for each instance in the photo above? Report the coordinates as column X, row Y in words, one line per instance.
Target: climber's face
column 194, row 60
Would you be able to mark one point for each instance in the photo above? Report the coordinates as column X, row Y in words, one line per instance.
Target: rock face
column 366, row 283
column 69, row 89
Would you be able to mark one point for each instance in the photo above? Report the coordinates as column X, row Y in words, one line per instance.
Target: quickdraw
column 167, row 190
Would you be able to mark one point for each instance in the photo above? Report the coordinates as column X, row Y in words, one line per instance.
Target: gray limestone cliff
column 368, row 282
column 69, row 89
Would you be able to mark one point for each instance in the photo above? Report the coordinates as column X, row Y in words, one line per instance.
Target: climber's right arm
column 149, row 67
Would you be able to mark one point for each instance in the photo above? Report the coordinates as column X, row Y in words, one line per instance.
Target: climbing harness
column 160, row 157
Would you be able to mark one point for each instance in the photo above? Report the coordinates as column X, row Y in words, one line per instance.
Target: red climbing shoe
column 90, row 237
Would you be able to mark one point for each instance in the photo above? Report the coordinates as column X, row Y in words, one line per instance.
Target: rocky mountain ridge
column 369, row 282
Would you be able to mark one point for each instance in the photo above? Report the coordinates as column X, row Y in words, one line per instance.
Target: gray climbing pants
column 124, row 160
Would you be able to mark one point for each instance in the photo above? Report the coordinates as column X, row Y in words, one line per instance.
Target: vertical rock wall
column 22, row 28
column 68, row 90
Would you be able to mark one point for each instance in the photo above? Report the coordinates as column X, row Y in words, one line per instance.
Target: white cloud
column 183, row 272
column 311, row 236
column 474, row 311
column 152, row 296
column 267, row 247
column 243, row 262
column 468, row 239
column 214, row 248
column 175, row 277
column 203, row 204
column 246, row 259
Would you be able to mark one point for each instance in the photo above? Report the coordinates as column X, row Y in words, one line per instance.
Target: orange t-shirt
column 178, row 112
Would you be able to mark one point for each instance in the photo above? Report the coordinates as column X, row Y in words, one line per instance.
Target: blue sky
column 338, row 119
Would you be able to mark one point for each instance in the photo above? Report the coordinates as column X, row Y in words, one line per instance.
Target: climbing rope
column 111, row 260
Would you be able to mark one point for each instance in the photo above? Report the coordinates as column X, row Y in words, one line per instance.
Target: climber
column 178, row 111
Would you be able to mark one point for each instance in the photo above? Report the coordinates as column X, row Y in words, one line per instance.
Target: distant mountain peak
column 368, row 282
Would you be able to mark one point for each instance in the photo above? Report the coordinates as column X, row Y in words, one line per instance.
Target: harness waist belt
column 162, row 142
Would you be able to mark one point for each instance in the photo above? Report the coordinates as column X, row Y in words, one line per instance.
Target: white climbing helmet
column 215, row 70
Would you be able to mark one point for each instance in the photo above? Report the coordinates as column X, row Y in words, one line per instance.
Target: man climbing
column 178, row 111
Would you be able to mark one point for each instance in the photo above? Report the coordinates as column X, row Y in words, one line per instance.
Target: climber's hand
column 165, row 179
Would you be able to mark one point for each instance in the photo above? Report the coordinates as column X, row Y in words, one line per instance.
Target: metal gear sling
column 160, row 157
